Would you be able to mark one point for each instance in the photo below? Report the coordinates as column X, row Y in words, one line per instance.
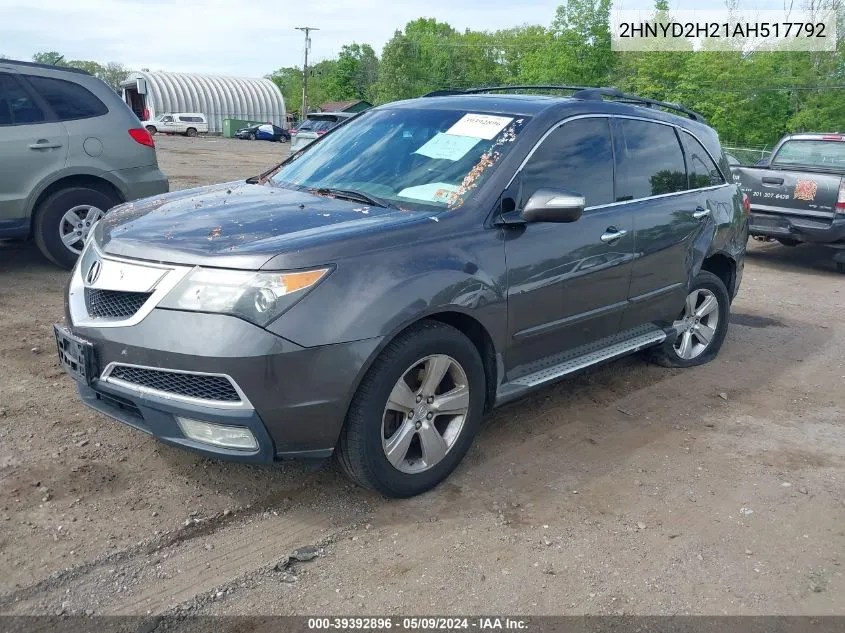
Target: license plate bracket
column 76, row 355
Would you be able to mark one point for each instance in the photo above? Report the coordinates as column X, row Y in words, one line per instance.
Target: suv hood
column 237, row 225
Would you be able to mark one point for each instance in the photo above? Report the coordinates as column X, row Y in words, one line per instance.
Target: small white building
column 218, row 97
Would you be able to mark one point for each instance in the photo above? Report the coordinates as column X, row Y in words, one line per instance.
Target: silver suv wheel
column 697, row 324
column 425, row 413
column 76, row 224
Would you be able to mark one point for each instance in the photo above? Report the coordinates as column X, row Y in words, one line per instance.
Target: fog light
column 237, row 437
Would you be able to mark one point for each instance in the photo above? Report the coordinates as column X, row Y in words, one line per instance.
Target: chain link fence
column 749, row 155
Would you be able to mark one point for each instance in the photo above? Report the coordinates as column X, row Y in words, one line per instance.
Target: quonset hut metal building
column 217, row 97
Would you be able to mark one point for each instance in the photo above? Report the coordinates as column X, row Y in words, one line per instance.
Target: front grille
column 191, row 385
column 114, row 304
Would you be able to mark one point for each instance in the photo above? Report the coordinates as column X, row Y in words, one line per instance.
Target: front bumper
column 145, row 365
column 295, row 398
column 797, row 228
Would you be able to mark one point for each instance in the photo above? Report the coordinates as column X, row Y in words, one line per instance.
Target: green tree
column 354, row 74
column 289, row 81
column 49, row 57
column 577, row 49
column 415, row 60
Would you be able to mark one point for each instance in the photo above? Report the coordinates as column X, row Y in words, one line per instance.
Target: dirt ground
column 629, row 489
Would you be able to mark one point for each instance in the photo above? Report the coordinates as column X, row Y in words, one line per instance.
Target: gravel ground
column 628, row 489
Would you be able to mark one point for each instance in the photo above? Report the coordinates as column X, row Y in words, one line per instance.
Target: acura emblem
column 93, row 272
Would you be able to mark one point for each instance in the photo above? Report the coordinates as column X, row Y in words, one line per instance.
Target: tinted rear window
column 315, row 125
column 68, row 100
column 649, row 160
column 824, row 154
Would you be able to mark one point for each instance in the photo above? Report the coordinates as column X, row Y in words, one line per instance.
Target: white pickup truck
column 187, row 123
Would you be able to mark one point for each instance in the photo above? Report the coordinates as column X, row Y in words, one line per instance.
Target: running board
column 572, row 364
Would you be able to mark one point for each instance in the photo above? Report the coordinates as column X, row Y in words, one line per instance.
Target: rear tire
column 840, row 267
column 191, row 132
column 54, row 231
column 152, row 130
column 703, row 325
column 378, row 417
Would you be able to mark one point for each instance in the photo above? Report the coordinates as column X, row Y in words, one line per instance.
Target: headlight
column 258, row 297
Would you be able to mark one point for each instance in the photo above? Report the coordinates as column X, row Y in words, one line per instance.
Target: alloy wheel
column 425, row 413
column 697, row 324
column 76, row 224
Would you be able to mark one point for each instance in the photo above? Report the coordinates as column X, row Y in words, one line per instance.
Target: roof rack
column 580, row 92
column 69, row 69
column 598, row 94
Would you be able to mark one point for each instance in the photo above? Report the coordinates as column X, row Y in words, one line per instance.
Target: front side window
column 576, row 156
column 68, row 100
column 701, row 169
column 649, row 161
column 407, row 157
column 16, row 106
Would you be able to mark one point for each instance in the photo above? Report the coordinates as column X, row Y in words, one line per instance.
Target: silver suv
column 71, row 149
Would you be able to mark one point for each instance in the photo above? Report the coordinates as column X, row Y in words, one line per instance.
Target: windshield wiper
column 351, row 194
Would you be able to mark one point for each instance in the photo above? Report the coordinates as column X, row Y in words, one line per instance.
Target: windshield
column 822, row 154
column 407, row 157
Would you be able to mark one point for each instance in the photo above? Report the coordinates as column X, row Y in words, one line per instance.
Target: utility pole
column 307, row 30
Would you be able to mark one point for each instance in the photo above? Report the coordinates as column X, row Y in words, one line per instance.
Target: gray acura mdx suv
column 373, row 295
column 70, row 149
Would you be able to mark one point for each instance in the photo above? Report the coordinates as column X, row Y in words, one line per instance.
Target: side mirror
column 553, row 205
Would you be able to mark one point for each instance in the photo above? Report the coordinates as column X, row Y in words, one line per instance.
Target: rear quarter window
column 68, row 100
column 701, row 170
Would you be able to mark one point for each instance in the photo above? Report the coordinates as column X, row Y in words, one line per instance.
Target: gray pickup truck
column 799, row 194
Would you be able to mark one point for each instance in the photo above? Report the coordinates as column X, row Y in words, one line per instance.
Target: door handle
column 700, row 212
column 43, row 143
column 769, row 180
column 612, row 234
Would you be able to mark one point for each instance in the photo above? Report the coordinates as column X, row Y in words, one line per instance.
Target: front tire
column 65, row 218
column 251, row 136
column 415, row 413
column 702, row 323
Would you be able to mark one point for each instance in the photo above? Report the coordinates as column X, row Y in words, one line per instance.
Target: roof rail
column 444, row 93
column 598, row 94
column 507, row 88
column 69, row 69
column 580, row 92
column 474, row 91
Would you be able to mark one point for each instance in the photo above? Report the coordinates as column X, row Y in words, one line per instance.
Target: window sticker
column 485, row 126
column 447, row 146
column 432, row 192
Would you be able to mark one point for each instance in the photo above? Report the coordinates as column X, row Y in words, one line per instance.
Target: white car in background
column 187, row 123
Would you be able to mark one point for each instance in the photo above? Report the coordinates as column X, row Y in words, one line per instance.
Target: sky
column 248, row 38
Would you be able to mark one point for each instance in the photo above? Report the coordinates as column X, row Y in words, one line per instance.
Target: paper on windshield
column 432, row 192
column 479, row 126
column 447, row 146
